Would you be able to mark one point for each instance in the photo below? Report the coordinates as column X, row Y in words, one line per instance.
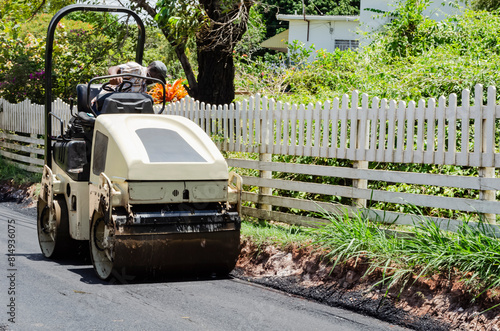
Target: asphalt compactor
column 150, row 193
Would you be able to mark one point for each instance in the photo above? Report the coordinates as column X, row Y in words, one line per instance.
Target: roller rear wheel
column 101, row 248
column 53, row 228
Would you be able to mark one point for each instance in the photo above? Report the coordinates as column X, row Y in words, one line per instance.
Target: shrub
column 81, row 51
column 412, row 58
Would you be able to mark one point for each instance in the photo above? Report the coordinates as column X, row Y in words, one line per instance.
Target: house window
column 344, row 44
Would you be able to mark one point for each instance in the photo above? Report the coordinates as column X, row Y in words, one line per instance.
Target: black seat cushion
column 125, row 103
column 81, row 92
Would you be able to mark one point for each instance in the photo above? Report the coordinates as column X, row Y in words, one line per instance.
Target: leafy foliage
column 486, row 4
column 437, row 59
column 18, row 11
column 181, row 19
column 409, row 33
column 82, row 50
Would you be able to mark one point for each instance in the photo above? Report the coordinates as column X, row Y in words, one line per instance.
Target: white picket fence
column 22, row 126
column 378, row 131
column 353, row 128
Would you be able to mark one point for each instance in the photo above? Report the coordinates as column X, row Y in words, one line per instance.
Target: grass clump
column 18, row 176
column 279, row 235
column 471, row 254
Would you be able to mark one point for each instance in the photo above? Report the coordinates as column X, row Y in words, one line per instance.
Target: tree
column 216, row 26
column 489, row 5
column 85, row 45
column 20, row 11
column 256, row 33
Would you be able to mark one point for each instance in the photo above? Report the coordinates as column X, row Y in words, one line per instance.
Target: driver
column 155, row 69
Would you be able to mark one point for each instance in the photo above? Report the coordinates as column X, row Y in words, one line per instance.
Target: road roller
column 149, row 193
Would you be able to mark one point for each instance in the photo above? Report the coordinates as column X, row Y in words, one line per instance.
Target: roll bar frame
column 49, row 48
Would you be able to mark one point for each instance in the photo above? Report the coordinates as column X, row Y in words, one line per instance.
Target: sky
column 122, row 3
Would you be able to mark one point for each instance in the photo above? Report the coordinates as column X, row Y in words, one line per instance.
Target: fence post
column 488, row 195
column 359, row 183
column 265, row 157
column 2, row 124
column 487, row 145
column 361, row 144
column 33, row 145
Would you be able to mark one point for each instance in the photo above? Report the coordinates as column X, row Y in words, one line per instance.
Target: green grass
column 17, row 175
column 281, row 236
column 470, row 254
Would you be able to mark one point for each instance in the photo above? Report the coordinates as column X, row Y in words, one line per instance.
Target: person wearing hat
column 155, row 69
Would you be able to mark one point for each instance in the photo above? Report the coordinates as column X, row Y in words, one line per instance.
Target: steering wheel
column 123, row 87
column 107, row 87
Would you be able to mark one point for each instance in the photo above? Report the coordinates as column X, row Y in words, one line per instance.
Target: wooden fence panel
column 363, row 128
column 352, row 123
column 334, row 115
column 441, row 130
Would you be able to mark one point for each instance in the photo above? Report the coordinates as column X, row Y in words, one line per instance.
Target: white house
column 331, row 32
column 327, row 32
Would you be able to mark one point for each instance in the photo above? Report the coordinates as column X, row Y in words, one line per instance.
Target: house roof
column 278, row 42
column 329, row 18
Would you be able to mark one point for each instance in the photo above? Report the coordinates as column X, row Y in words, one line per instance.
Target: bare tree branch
column 179, row 49
column 225, row 29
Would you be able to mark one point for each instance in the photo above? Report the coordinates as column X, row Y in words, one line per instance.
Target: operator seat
column 125, row 103
column 84, row 112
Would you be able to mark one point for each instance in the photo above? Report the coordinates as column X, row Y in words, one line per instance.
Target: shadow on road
column 121, row 277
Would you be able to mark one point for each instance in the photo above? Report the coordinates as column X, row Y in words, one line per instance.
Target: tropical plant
column 173, row 92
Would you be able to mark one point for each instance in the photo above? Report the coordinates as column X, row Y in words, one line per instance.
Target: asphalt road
column 40, row 294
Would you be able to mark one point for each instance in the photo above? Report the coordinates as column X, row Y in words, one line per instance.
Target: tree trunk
column 215, row 77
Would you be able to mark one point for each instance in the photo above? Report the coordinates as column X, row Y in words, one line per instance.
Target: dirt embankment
column 439, row 302
column 10, row 192
column 430, row 303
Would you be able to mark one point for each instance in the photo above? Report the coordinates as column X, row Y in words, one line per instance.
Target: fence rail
column 354, row 128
